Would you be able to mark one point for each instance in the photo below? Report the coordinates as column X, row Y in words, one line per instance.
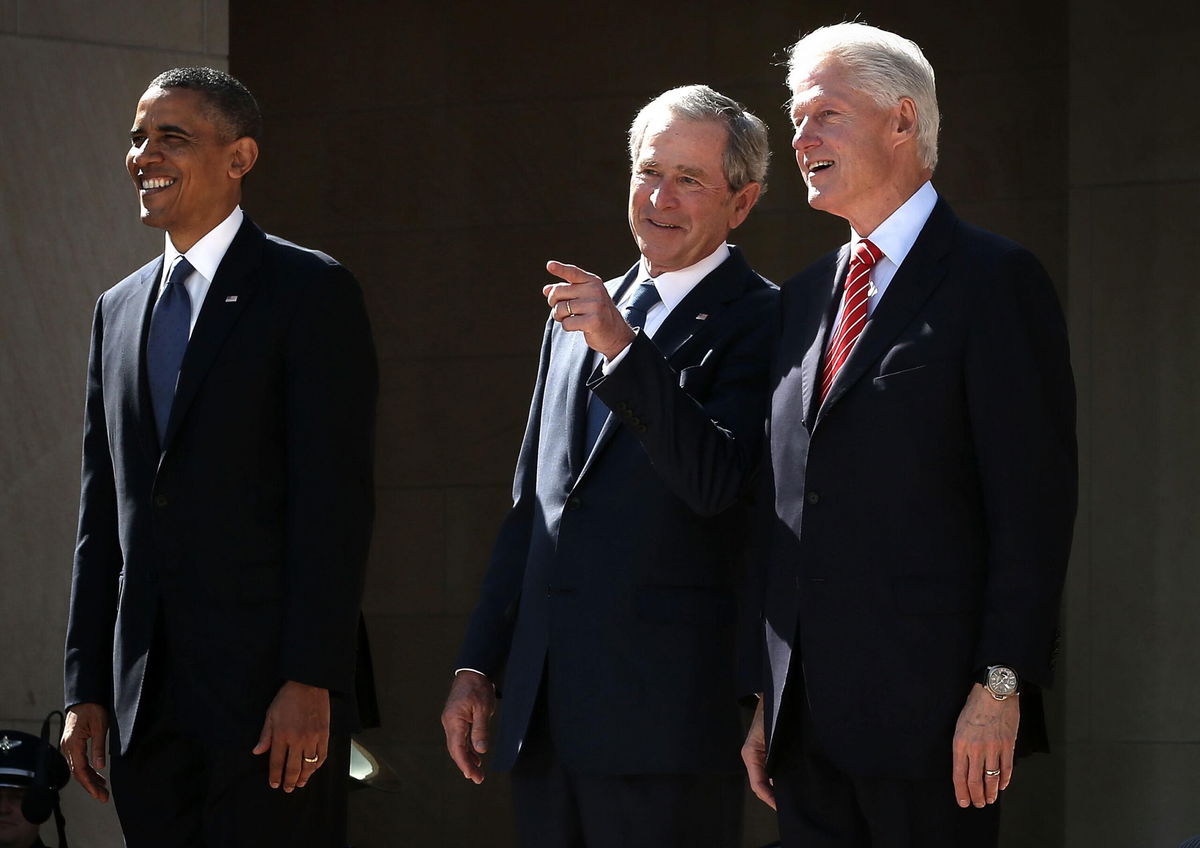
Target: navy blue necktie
column 170, row 326
column 635, row 314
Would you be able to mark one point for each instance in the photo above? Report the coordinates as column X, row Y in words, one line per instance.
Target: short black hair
column 232, row 103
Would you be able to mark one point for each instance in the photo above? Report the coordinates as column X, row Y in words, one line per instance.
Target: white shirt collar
column 899, row 231
column 206, row 254
column 673, row 286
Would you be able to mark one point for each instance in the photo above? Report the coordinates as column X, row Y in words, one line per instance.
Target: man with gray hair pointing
column 607, row 613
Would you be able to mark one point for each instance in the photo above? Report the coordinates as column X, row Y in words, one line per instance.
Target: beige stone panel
column 1130, row 794
column 176, row 25
column 71, row 231
column 1142, row 416
column 216, row 27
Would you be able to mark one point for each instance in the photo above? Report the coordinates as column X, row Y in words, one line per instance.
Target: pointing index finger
column 571, row 273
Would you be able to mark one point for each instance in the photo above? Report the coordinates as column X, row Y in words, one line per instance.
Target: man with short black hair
column 226, row 505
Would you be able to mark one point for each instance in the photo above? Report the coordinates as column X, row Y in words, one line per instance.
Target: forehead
column 823, row 80
column 682, row 141
column 178, row 106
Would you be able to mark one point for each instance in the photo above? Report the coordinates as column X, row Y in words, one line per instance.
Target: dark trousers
column 820, row 806
column 559, row 808
column 173, row 790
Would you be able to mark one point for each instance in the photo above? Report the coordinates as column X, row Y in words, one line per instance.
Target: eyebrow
column 165, row 128
column 686, row 170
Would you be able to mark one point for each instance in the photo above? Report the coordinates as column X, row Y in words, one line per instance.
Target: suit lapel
column 588, row 368
column 921, row 273
column 139, row 329
column 821, row 312
column 228, row 296
column 688, row 317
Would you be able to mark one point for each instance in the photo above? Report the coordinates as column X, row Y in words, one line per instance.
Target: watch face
column 1002, row 680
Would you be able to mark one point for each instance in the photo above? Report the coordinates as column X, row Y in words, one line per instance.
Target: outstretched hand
column 582, row 303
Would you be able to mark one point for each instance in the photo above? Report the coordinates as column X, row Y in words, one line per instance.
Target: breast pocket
column 696, row 379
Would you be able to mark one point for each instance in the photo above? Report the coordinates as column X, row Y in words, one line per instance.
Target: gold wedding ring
column 569, row 310
column 991, row 773
column 314, row 759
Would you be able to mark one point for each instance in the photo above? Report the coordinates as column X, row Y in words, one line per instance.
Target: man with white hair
column 607, row 616
column 923, row 476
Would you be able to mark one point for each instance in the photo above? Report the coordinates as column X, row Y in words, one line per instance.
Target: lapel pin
column 231, row 299
column 703, row 316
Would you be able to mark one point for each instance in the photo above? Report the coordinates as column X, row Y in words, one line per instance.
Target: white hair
column 884, row 66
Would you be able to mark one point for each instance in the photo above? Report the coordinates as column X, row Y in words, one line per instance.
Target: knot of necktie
column 643, row 300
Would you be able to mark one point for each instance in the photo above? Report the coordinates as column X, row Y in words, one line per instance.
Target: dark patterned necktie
column 635, row 312
column 170, row 326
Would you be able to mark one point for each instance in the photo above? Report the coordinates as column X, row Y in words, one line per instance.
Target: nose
column 141, row 153
column 804, row 137
column 663, row 195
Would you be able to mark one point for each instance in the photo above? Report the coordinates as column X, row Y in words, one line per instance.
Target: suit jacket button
column 574, row 503
column 160, row 500
column 813, row 498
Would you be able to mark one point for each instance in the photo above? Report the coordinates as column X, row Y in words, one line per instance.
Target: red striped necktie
column 854, row 311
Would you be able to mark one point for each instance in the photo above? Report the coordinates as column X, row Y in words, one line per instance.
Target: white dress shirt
column 673, row 286
column 895, row 237
column 205, row 256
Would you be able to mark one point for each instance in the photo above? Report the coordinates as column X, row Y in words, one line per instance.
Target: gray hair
column 747, row 150
column 884, row 66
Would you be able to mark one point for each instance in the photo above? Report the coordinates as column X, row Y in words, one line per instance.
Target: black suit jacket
column 615, row 572
column 923, row 514
column 244, row 536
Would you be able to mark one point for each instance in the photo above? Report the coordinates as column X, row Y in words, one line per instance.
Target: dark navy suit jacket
column 244, row 536
column 614, row 573
column 922, row 516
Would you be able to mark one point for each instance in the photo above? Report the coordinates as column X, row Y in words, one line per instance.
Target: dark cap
column 18, row 757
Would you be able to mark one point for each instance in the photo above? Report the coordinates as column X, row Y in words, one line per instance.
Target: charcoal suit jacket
column 231, row 555
column 923, row 514
column 613, row 579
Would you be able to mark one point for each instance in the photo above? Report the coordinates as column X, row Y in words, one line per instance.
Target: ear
column 743, row 202
column 244, row 154
column 906, row 120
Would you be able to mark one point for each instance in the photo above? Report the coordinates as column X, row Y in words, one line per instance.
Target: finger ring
column 314, row 759
column 569, row 310
column 991, row 772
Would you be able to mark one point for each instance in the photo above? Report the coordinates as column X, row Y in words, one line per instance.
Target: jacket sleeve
column 702, row 426
column 490, row 629
column 331, row 384
column 98, row 560
column 1021, row 406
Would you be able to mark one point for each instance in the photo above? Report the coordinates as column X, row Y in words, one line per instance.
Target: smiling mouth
column 156, row 183
column 660, row 226
column 819, row 165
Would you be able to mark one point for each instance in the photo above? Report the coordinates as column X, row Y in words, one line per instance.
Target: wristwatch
column 1000, row 681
